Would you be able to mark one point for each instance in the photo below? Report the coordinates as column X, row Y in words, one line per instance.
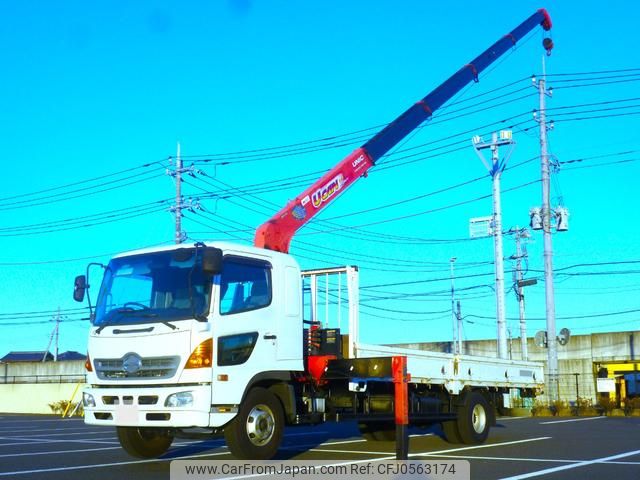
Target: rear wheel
column 144, row 442
column 256, row 432
column 378, row 431
column 451, row 432
column 474, row 419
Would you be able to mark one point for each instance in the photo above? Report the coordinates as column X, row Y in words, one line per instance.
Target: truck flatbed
column 458, row 371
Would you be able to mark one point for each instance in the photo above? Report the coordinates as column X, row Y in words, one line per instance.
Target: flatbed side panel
column 457, row 371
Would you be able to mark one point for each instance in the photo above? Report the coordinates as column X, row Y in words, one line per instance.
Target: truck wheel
column 474, row 419
column 378, row 432
column 451, row 432
column 256, row 432
column 144, row 442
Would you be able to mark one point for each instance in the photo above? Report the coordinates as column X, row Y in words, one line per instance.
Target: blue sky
column 91, row 89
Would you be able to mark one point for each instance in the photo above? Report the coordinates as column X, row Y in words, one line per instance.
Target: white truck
column 193, row 341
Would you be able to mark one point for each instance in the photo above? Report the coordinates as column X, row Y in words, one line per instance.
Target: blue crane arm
column 397, row 130
column 277, row 232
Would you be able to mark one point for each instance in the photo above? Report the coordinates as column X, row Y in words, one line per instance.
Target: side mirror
column 211, row 261
column 79, row 287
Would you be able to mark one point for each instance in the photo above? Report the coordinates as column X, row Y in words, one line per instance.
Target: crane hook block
column 547, row 43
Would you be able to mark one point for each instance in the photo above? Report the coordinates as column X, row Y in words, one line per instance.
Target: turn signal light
column 87, row 364
column 202, row 356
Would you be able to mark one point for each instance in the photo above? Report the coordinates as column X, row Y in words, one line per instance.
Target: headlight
column 181, row 399
column 88, row 400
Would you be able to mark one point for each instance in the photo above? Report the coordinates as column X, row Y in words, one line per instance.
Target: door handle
column 269, row 336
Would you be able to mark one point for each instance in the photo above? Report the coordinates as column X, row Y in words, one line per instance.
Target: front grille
column 152, row 368
column 129, row 400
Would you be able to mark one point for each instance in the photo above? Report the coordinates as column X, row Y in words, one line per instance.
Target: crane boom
column 277, row 232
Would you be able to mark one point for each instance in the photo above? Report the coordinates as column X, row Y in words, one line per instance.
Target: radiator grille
column 127, row 369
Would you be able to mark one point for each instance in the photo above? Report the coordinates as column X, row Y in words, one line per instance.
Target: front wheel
column 256, row 432
column 144, row 442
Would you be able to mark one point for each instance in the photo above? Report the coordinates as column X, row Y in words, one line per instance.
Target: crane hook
column 547, row 43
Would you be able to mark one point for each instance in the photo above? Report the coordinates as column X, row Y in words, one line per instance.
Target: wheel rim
column 260, row 425
column 479, row 418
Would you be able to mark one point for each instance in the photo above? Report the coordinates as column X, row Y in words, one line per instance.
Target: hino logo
column 131, row 363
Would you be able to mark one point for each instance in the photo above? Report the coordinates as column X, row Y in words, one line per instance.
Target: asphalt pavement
column 45, row 447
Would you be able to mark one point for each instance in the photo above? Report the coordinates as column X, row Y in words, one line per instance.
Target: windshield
column 160, row 286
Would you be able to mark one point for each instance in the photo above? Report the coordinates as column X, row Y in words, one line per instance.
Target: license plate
column 127, row 414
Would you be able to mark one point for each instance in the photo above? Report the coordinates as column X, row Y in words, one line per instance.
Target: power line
column 81, row 182
column 77, row 259
column 92, row 191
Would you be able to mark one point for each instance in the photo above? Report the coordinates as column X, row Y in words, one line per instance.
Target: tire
column 256, row 432
column 378, row 432
column 451, row 432
column 474, row 419
column 144, row 442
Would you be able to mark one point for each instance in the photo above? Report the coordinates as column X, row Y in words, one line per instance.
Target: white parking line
column 473, row 447
column 27, row 429
column 360, row 452
column 585, row 463
column 97, row 432
column 32, row 440
column 392, row 457
column 360, row 440
column 35, row 441
column 114, row 464
column 58, row 452
column 43, row 429
column 100, row 449
column 311, row 445
column 572, row 420
column 508, row 459
column 317, row 448
column 30, row 421
column 535, row 460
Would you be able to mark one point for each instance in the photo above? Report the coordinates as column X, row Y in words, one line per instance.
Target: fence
column 20, row 379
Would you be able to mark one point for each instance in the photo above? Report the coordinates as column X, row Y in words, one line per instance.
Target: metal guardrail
column 21, row 379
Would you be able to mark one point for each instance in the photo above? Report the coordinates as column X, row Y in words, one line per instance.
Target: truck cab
column 179, row 334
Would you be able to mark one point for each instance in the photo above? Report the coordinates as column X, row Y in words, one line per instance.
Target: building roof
column 25, row 357
column 71, row 355
column 13, row 357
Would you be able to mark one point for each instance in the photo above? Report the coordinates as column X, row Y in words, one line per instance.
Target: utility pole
column 459, row 318
column 54, row 334
column 182, row 204
column 55, row 355
column 552, row 353
column 519, row 285
column 454, row 318
column 495, row 170
column 178, row 234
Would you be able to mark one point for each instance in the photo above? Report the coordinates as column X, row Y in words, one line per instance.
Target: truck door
column 244, row 326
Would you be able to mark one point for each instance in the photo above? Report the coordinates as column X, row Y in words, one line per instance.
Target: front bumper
column 145, row 407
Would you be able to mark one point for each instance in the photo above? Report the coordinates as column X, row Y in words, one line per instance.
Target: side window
column 236, row 349
column 245, row 284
